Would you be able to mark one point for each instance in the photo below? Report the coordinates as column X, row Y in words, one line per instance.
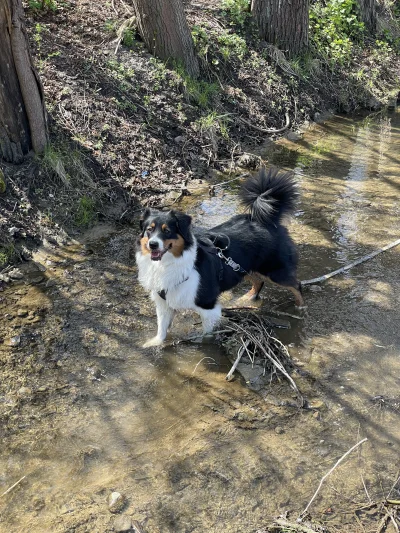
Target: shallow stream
column 85, row 411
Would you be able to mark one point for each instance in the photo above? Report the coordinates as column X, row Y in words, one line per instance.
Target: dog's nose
column 153, row 245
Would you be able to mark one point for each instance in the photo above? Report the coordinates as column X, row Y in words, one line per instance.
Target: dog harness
column 215, row 250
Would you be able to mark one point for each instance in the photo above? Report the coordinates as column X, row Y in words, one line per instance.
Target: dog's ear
column 183, row 222
column 145, row 214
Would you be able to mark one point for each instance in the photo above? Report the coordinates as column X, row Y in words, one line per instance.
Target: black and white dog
column 186, row 268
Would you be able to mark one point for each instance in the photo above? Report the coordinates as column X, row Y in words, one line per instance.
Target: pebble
column 279, row 430
column 293, row 136
column 123, row 523
column 116, row 502
column 316, row 404
column 24, row 391
column 36, row 279
column 5, row 278
column 315, row 288
column 22, row 312
column 13, row 341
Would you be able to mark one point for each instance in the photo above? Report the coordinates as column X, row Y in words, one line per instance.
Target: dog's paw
column 155, row 341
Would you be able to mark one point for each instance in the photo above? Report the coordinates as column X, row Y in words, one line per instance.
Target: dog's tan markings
column 143, row 245
column 164, row 227
column 175, row 246
column 257, row 285
column 298, row 297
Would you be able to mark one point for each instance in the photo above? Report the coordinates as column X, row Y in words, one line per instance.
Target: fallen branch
column 351, row 265
column 263, row 130
column 13, row 486
column 300, row 528
column 328, row 474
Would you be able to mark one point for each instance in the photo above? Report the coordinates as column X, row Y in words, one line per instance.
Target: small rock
column 24, row 391
column 317, row 117
column 42, row 389
column 123, row 523
column 179, row 139
column 316, row 404
column 15, row 274
column 13, row 341
column 36, row 279
column 22, row 312
column 315, row 288
column 293, row 136
column 279, row 430
column 116, row 502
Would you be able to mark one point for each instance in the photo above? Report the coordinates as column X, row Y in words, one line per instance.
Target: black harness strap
column 163, row 293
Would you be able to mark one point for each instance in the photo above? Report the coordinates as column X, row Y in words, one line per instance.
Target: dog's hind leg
column 209, row 318
column 165, row 315
column 289, row 280
column 257, row 285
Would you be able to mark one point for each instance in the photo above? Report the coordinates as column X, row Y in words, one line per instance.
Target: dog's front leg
column 209, row 318
column 165, row 316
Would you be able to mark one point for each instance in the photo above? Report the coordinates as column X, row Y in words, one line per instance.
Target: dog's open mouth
column 156, row 255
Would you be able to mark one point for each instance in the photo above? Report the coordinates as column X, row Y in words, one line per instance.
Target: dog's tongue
column 156, row 255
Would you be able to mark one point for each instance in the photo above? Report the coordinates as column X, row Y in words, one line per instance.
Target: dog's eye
column 166, row 230
column 150, row 229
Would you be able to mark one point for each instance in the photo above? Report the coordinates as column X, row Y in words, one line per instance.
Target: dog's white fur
column 169, row 275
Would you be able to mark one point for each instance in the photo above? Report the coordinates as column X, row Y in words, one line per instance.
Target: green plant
column 201, row 40
column 128, row 37
column 334, row 27
column 6, row 254
column 199, row 91
column 237, row 11
column 43, row 4
column 85, row 213
column 231, row 44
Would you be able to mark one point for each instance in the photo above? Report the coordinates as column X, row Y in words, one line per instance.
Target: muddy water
column 85, row 411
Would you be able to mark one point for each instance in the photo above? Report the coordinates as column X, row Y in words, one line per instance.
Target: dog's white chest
column 175, row 277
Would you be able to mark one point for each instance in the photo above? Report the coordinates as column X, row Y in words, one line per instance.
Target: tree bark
column 283, row 23
column 163, row 27
column 23, row 124
column 368, row 14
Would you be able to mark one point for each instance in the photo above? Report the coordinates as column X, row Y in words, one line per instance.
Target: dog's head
column 164, row 232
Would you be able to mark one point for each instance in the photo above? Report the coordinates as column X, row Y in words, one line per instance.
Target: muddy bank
column 86, row 412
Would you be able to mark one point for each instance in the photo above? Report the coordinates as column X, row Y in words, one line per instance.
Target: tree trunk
column 164, row 29
column 368, row 14
column 283, row 23
column 22, row 111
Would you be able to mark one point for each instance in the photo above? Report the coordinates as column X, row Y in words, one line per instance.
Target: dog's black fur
column 257, row 241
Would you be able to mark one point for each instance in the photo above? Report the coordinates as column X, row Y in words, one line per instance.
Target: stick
column 295, row 527
column 351, row 265
column 327, row 474
column 13, row 486
column 235, row 364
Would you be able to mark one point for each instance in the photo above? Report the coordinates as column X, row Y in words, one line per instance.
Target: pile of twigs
column 250, row 337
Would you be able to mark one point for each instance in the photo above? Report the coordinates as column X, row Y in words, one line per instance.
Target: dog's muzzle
column 156, row 253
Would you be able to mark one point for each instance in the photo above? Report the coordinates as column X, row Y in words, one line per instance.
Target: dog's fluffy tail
column 270, row 196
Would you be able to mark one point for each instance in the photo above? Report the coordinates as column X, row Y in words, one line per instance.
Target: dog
column 186, row 268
